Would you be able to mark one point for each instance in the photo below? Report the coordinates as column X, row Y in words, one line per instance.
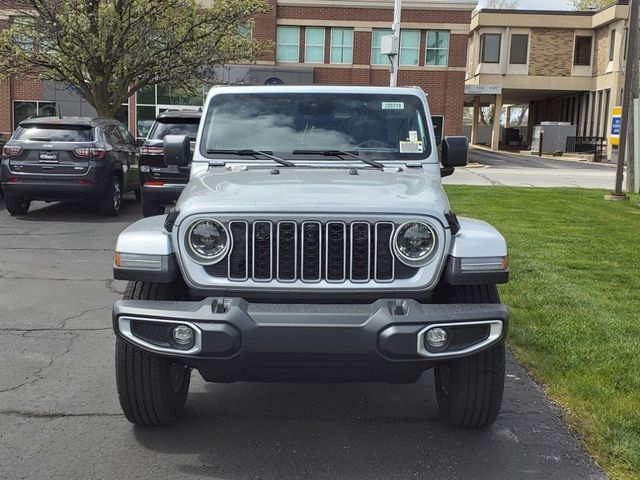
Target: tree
column 107, row 50
column 502, row 4
column 589, row 4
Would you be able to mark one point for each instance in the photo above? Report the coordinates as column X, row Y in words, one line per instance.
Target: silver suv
column 314, row 242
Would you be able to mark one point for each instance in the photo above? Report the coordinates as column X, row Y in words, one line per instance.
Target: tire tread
column 144, row 387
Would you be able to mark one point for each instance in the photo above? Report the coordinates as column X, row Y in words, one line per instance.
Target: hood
column 294, row 190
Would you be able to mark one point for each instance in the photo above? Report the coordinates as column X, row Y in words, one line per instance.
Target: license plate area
column 48, row 157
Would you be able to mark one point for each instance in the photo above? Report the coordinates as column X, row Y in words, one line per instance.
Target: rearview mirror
column 455, row 152
column 177, row 150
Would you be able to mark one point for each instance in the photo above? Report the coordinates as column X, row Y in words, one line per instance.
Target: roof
column 75, row 121
column 572, row 13
column 195, row 114
column 332, row 89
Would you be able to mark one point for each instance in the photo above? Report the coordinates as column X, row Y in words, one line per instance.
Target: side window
column 126, row 136
column 113, row 137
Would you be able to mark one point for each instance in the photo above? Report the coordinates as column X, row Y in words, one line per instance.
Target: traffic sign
column 616, row 126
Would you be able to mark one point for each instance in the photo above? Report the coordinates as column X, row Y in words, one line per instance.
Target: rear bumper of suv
column 54, row 187
column 237, row 340
column 168, row 192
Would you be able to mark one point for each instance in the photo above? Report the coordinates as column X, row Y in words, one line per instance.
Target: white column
column 495, row 138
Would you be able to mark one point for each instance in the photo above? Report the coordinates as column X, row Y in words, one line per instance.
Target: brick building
column 316, row 41
column 565, row 66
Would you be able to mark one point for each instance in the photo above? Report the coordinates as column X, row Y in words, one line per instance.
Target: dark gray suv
column 51, row 158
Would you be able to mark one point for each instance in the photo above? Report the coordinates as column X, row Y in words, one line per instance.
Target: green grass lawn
column 574, row 297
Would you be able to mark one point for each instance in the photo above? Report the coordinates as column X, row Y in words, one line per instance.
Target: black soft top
column 88, row 122
column 179, row 115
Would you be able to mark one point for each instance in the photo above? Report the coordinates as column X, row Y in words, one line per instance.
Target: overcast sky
column 540, row 4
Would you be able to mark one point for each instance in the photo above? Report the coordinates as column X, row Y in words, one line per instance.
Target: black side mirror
column 177, row 150
column 455, row 153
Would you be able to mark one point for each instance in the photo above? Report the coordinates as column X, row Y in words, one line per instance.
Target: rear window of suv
column 54, row 133
column 162, row 128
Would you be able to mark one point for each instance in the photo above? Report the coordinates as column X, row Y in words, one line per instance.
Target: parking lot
column 61, row 419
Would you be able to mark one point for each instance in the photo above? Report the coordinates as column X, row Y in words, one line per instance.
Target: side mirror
column 455, row 153
column 139, row 142
column 177, row 150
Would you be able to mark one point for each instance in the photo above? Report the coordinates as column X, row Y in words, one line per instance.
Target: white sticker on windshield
column 411, row 147
column 392, row 105
column 413, row 136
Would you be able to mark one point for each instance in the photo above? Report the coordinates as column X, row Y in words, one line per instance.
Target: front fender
column 144, row 252
column 479, row 255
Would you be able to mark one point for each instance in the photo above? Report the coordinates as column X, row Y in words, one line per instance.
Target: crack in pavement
column 56, row 279
column 34, row 414
column 38, row 374
column 30, row 330
column 49, row 249
column 63, row 324
column 493, row 182
column 110, row 286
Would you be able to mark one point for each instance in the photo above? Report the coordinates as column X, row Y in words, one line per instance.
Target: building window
column 26, row 109
column 376, row 42
column 342, row 45
column 490, row 48
column 288, row 44
column 314, row 45
column 612, row 45
column 437, row 48
column 155, row 99
column 519, row 49
column 410, row 47
column 582, row 55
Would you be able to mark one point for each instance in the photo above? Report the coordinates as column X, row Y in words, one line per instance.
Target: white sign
column 483, row 89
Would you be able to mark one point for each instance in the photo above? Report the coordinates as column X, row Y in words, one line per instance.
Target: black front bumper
column 238, row 340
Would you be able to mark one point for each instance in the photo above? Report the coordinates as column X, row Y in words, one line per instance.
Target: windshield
column 54, row 133
column 388, row 126
column 188, row 127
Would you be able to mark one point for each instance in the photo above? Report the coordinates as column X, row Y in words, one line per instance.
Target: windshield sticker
column 413, row 136
column 392, row 105
column 411, row 147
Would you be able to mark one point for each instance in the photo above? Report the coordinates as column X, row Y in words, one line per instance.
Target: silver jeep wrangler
column 314, row 243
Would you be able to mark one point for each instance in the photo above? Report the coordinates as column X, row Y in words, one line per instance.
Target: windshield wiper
column 339, row 154
column 254, row 153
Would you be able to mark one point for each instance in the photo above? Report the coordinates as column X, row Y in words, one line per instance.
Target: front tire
column 469, row 390
column 152, row 389
column 17, row 205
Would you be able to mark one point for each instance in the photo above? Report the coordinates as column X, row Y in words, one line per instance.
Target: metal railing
column 597, row 146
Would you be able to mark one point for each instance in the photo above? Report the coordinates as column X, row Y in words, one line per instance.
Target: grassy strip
column 575, row 299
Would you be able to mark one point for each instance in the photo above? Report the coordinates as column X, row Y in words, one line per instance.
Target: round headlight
column 414, row 242
column 208, row 241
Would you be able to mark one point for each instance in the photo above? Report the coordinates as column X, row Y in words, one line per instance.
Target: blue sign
column 616, row 126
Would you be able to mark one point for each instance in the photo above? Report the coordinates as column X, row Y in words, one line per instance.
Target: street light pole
column 630, row 89
column 395, row 59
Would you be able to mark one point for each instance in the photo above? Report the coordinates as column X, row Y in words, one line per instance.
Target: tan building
column 565, row 66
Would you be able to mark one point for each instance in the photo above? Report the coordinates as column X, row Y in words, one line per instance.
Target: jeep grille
column 311, row 251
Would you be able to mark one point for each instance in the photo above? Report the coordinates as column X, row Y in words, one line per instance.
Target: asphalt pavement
column 506, row 169
column 60, row 418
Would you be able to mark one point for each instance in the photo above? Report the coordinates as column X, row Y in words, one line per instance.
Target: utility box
column 389, row 45
column 555, row 136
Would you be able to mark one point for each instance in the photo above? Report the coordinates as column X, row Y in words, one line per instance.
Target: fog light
column 183, row 336
column 437, row 337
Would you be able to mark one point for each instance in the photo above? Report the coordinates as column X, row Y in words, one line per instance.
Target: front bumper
column 382, row 341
